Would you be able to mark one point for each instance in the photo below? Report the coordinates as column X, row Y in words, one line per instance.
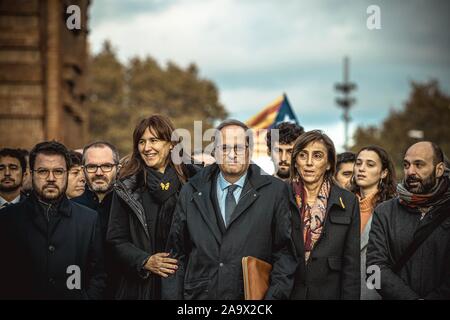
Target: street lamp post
column 346, row 101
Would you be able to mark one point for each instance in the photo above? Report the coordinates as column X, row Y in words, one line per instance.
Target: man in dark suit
column 51, row 247
column 12, row 173
column 230, row 210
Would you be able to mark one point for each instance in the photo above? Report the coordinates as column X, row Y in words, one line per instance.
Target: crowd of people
column 90, row 225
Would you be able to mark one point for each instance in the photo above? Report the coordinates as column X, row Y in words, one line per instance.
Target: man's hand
column 161, row 265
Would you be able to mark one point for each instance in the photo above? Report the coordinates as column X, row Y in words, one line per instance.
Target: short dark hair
column 344, row 157
column 102, row 144
column 17, row 154
column 75, row 158
column 305, row 139
column 234, row 122
column 287, row 133
column 50, row 148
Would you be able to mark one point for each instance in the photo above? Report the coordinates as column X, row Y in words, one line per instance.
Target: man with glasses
column 229, row 210
column 12, row 173
column 100, row 165
column 51, row 247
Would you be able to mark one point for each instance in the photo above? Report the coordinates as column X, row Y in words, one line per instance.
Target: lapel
column 297, row 223
column 36, row 213
column 38, row 216
column 202, row 184
column 255, row 180
column 336, row 199
column 124, row 189
column 216, row 207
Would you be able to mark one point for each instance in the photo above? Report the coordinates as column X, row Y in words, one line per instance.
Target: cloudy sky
column 254, row 50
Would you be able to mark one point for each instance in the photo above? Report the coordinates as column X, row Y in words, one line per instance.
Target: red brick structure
column 42, row 73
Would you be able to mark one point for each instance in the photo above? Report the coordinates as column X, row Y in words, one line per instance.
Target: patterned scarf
column 313, row 217
column 437, row 196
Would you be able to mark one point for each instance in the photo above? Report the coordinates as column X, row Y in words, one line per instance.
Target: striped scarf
column 437, row 196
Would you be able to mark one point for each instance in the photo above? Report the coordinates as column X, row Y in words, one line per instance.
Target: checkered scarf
column 437, row 196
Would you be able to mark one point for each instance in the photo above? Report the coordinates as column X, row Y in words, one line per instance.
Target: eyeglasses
column 239, row 149
column 105, row 167
column 44, row 173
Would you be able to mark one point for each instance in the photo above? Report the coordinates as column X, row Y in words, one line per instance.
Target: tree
column 427, row 110
column 121, row 95
column 108, row 116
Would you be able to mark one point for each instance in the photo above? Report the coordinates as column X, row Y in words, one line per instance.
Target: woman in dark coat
column 325, row 222
column 142, row 207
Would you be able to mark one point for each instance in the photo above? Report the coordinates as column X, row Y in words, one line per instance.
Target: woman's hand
column 161, row 265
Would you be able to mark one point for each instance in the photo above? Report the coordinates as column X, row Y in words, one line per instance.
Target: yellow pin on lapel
column 342, row 203
column 165, row 187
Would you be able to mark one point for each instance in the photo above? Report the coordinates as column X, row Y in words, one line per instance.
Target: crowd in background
column 90, row 225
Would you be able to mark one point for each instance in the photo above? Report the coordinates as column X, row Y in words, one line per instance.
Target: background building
column 42, row 73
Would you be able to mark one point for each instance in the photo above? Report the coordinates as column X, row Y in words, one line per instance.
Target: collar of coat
column 64, row 206
column 255, row 176
column 337, row 197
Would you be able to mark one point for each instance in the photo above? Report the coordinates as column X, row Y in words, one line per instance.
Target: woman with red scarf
column 326, row 224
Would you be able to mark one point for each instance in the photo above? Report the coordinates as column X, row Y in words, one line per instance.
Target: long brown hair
column 387, row 188
column 163, row 128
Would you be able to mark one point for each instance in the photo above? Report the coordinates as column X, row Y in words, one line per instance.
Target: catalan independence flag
column 278, row 111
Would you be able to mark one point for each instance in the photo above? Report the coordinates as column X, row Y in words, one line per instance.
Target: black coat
column 427, row 274
column 36, row 254
column 333, row 269
column 210, row 256
column 90, row 199
column 130, row 233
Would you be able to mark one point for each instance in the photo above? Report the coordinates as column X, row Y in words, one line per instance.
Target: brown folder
column 256, row 277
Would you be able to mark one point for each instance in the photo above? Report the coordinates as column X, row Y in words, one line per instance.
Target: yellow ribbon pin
column 342, row 203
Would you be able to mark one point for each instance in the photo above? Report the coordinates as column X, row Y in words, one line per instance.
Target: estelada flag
column 278, row 111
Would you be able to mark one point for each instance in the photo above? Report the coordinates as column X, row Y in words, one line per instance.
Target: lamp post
column 346, row 101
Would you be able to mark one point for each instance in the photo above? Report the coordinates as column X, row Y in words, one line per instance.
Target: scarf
column 313, row 217
column 437, row 196
column 163, row 188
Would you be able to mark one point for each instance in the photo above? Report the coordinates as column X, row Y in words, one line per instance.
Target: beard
column 47, row 194
column 423, row 186
column 102, row 188
column 9, row 188
column 282, row 173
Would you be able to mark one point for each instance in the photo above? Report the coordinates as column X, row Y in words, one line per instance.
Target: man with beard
column 281, row 150
column 51, row 247
column 101, row 164
column 12, row 172
column 410, row 236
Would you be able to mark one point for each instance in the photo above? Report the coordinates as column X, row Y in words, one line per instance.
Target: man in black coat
column 100, row 165
column 424, row 196
column 51, row 247
column 230, row 210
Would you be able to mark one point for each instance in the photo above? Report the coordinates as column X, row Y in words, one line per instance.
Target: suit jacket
column 210, row 255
